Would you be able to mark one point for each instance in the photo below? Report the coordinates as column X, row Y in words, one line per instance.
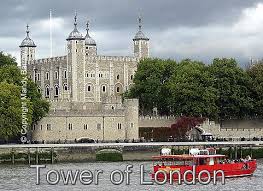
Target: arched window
column 56, row 75
column 65, row 87
column 89, row 88
column 118, row 89
column 103, row 88
column 131, row 77
column 47, row 91
column 56, row 91
column 47, row 76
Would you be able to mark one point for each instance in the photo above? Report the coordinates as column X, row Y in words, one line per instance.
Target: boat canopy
column 186, row 157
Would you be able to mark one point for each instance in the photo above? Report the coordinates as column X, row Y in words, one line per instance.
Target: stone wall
column 234, row 129
column 156, row 121
column 102, row 124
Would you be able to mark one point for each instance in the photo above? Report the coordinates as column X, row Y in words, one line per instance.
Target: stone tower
column 141, row 43
column 27, row 50
column 90, row 44
column 76, row 60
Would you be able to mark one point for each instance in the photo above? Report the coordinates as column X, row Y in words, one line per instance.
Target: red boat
column 201, row 164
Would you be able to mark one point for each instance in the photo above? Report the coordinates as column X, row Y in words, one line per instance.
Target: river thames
column 21, row 177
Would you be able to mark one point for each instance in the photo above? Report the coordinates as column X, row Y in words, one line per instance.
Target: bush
column 111, row 155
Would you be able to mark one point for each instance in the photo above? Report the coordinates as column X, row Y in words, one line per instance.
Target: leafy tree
column 233, row 87
column 7, row 60
column 10, row 74
column 180, row 129
column 10, row 110
column 10, row 99
column 191, row 90
column 150, row 85
column 40, row 106
column 256, row 74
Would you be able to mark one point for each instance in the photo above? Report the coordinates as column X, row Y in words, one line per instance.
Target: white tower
column 141, row 43
column 27, row 49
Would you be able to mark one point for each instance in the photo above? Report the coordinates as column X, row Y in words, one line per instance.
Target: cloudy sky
column 177, row 29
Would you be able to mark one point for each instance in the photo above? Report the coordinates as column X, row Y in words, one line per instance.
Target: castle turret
column 90, row 44
column 141, row 43
column 76, row 59
column 27, row 49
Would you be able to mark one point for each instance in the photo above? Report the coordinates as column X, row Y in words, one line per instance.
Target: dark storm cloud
column 113, row 24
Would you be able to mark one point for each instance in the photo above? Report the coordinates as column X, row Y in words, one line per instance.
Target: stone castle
column 85, row 89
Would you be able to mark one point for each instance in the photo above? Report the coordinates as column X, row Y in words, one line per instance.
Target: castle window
column 131, row 125
column 56, row 91
column 104, row 88
column 65, row 87
column 38, row 77
column 87, row 75
column 119, row 126
column 39, row 90
column 118, row 89
column 56, row 75
column 76, row 50
column 41, row 127
column 70, row 126
column 34, row 127
column 47, row 91
column 85, row 127
column 131, row 77
column 48, row 127
column 89, row 88
column 118, row 77
column 65, row 74
column 47, row 75
column 98, row 126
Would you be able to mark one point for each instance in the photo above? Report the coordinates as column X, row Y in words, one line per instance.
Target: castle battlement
column 114, row 58
column 171, row 117
column 48, row 60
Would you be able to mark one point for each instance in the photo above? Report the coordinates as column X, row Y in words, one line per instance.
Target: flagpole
column 50, row 33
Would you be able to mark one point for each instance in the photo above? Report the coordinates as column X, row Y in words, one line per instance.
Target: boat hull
column 230, row 170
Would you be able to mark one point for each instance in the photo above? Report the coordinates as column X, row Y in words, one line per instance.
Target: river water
column 22, row 178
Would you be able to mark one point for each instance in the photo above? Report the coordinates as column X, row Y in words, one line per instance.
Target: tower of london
column 85, row 89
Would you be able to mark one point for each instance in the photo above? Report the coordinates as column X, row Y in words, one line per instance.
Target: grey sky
column 177, row 29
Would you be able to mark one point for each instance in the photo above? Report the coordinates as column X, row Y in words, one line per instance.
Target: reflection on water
column 24, row 178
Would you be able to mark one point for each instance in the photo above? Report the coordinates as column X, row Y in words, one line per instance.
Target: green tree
column 256, row 74
column 192, row 93
column 40, row 106
column 150, row 85
column 233, row 87
column 7, row 60
column 10, row 108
